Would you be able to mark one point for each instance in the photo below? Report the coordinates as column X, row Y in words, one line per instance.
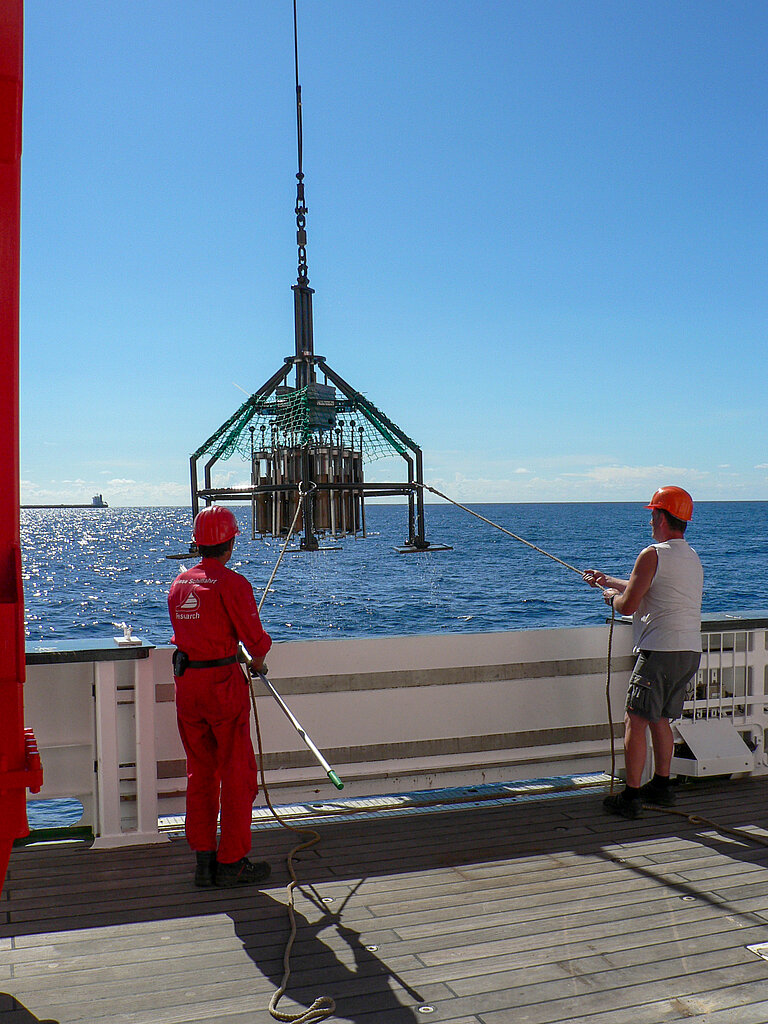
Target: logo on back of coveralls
column 189, row 607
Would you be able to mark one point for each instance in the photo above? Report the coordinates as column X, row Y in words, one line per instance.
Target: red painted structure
column 19, row 760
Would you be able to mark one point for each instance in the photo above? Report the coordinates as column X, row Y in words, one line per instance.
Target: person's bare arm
column 626, row 600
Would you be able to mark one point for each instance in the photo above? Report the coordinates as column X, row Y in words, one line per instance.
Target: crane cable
column 323, row 1006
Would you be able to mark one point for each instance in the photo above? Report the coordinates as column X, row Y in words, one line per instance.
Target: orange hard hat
column 674, row 500
column 214, row 525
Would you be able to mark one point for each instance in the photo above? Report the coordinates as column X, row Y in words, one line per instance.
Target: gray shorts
column 659, row 681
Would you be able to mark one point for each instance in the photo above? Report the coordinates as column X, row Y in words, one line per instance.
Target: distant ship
column 97, row 501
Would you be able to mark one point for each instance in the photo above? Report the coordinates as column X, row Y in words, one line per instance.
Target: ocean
column 88, row 571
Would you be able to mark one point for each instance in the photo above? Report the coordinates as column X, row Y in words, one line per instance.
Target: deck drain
column 426, row 1008
column 372, row 949
column 329, row 899
column 687, row 899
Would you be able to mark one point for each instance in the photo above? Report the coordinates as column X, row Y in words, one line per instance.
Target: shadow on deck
column 538, row 911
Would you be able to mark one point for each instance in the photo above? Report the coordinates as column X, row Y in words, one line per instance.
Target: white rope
column 285, row 545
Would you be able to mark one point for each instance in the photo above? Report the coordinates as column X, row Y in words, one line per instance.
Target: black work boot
column 659, row 793
column 205, row 872
column 242, row 872
column 617, row 803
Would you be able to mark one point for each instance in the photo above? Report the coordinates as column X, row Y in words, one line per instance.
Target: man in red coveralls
column 212, row 608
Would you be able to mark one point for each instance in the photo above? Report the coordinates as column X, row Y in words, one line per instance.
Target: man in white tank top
column 663, row 596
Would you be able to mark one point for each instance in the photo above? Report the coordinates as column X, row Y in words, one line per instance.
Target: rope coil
column 323, row 1006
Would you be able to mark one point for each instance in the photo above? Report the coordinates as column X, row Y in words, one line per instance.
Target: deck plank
column 532, row 912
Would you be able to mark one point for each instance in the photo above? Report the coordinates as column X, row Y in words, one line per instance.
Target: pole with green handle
column 302, row 732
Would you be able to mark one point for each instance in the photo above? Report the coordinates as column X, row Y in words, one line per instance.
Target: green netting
column 307, row 417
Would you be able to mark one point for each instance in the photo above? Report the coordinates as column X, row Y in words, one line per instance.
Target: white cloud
column 576, row 479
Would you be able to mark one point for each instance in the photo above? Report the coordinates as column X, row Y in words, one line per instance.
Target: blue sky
column 538, row 237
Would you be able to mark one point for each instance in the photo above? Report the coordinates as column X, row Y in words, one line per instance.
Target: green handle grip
column 335, row 779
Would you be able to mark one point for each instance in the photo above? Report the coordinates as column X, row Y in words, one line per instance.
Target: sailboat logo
column 190, row 603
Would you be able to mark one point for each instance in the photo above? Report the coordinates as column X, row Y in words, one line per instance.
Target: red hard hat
column 214, row 525
column 674, row 500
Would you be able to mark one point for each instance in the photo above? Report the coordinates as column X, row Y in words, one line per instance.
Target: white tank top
column 669, row 615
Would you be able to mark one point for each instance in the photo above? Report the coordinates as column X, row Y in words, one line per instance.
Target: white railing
column 391, row 715
column 722, row 730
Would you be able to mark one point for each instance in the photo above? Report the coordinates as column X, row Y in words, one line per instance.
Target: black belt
column 215, row 663
column 181, row 663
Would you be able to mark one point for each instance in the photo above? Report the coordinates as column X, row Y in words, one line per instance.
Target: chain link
column 301, row 230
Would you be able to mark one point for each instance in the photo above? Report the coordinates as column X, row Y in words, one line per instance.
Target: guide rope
column 608, row 697
column 567, row 565
column 694, row 819
column 503, row 529
column 323, row 1006
column 302, row 494
column 698, row 819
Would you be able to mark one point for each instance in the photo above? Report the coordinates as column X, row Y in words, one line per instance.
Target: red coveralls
column 211, row 608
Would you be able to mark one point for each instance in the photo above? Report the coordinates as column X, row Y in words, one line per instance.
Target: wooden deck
column 538, row 911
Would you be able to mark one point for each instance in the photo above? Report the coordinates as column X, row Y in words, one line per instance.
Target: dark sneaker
column 242, row 872
column 205, row 872
column 616, row 804
column 662, row 796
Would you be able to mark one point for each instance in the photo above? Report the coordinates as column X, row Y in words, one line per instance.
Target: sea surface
column 88, row 571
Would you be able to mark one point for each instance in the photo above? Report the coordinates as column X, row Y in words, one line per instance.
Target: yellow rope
column 323, row 1006
column 697, row 819
column 284, row 547
column 567, row 565
column 608, row 696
